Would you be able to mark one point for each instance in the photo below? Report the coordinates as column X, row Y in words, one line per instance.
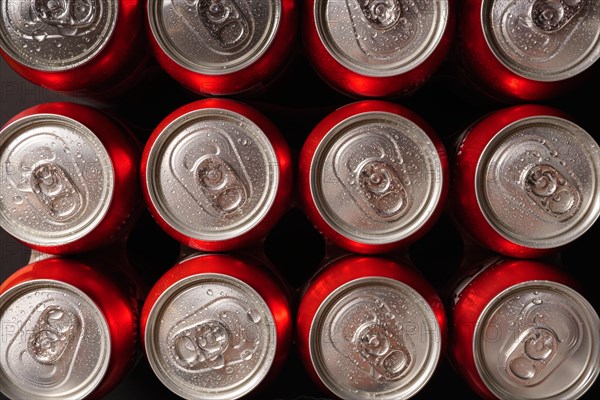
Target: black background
column 296, row 102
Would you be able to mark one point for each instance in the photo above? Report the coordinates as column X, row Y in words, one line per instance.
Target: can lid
column 381, row 37
column 214, row 37
column 55, row 342
column 212, row 174
column 57, row 179
column 54, row 36
column 543, row 40
column 375, row 337
column 538, row 340
column 537, row 182
column 376, row 177
column 210, row 336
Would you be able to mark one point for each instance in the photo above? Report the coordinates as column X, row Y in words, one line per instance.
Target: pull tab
column 538, row 348
column 381, row 14
column 225, row 22
column 551, row 15
column 53, row 334
column 67, row 14
column 204, row 343
column 56, row 191
column 552, row 192
column 382, row 188
column 388, row 357
column 221, row 185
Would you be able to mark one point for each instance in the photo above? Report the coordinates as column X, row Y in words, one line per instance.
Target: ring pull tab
column 67, row 15
column 225, row 22
column 53, row 334
column 552, row 192
column 381, row 14
column 221, row 185
column 552, row 15
column 388, row 356
column 382, row 188
column 56, row 191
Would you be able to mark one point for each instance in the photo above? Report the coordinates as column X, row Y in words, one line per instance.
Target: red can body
column 472, row 296
column 115, row 69
column 307, row 178
column 248, row 80
column 118, row 296
column 486, row 72
column 124, row 151
column 342, row 272
column 281, row 162
column 468, row 204
column 367, row 83
column 208, row 268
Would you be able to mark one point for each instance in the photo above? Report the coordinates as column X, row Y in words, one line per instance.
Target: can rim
column 316, row 324
column 96, row 380
column 529, row 73
column 153, row 352
column 22, row 125
column 425, row 211
column 434, row 39
column 586, row 378
column 585, row 220
column 108, row 35
column 162, row 39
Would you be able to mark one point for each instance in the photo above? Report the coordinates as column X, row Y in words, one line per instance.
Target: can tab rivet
column 381, row 14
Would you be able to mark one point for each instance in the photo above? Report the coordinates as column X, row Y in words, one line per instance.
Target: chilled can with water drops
column 373, row 177
column 222, row 47
column 525, row 181
column 69, row 327
column 92, row 48
column 370, row 327
column 531, row 50
column 217, row 326
column 523, row 329
column 377, row 48
column 69, row 179
column 217, row 175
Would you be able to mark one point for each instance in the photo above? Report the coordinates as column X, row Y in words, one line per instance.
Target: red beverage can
column 69, row 329
column 528, row 50
column 91, row 48
column 377, row 48
column 525, row 181
column 69, row 179
column 522, row 329
column 217, row 175
column 373, row 177
column 217, row 326
column 222, row 47
column 370, row 327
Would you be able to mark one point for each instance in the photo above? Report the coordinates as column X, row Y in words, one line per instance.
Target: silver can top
column 214, row 37
column 381, row 37
column 56, row 182
column 55, row 342
column 376, row 178
column 375, row 338
column 537, row 182
column 543, row 40
column 538, row 340
column 210, row 336
column 212, row 174
column 56, row 35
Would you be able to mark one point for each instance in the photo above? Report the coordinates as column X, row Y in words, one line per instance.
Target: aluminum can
column 222, row 47
column 217, row 175
column 528, row 51
column 69, row 179
column 373, row 177
column 524, row 181
column 94, row 48
column 69, row 329
column 377, row 48
column 217, row 326
column 370, row 327
column 522, row 329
